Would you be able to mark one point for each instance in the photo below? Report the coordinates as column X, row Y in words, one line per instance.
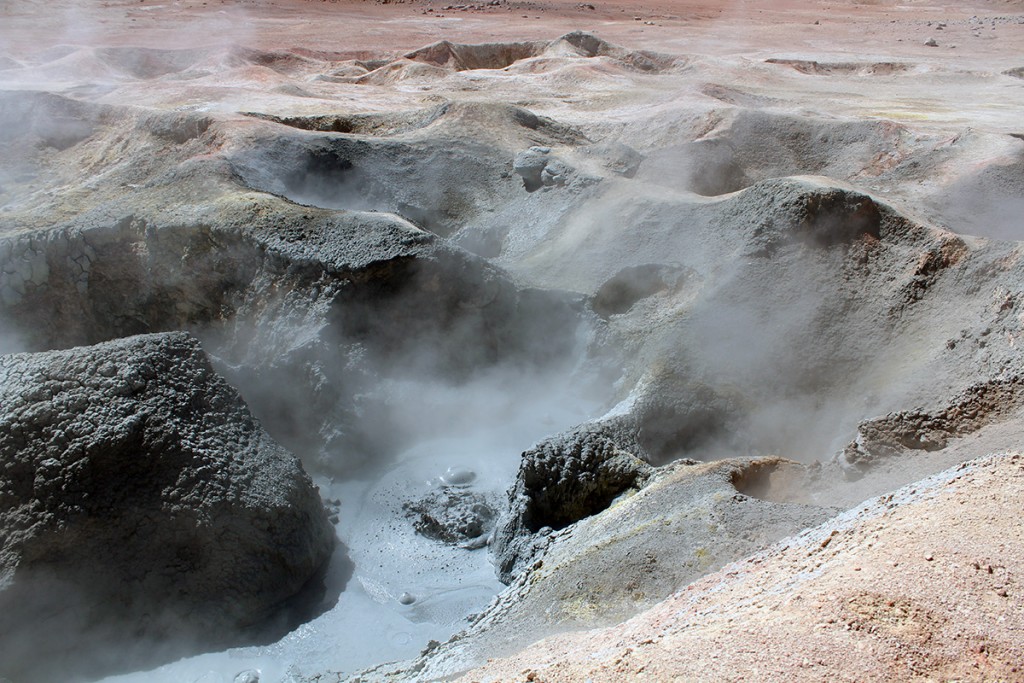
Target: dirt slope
column 922, row 584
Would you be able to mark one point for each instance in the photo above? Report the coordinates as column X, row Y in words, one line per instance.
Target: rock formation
column 140, row 501
column 561, row 481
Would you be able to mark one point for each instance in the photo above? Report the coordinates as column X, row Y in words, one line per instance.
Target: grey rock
column 555, row 172
column 530, row 165
column 919, row 430
column 139, row 499
column 561, row 481
column 386, row 175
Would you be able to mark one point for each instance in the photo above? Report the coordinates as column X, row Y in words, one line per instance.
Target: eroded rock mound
column 468, row 57
column 46, row 119
column 753, row 143
column 578, row 44
column 561, row 481
column 920, row 430
column 801, row 211
column 140, row 500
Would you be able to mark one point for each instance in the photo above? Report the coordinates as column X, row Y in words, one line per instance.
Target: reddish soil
column 922, row 585
column 386, row 26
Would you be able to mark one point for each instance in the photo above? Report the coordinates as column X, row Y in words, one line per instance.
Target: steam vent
column 551, row 341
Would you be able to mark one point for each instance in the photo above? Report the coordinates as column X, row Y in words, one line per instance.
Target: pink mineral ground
column 921, row 585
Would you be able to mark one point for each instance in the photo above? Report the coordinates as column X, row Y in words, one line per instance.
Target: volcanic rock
column 140, row 500
column 561, row 481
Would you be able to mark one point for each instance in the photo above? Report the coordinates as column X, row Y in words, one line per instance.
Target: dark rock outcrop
column 562, row 480
column 140, row 501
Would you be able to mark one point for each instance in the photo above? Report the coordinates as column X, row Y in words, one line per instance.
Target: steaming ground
column 645, row 289
column 384, row 559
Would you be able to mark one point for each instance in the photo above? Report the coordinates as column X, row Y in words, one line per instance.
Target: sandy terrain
column 919, row 585
column 863, row 28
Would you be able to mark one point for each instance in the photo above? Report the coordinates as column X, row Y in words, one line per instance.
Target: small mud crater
column 360, row 124
column 453, row 515
column 772, row 479
column 635, row 283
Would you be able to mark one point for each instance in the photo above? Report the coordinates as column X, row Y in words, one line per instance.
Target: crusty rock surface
column 139, row 499
column 560, row 481
column 911, row 430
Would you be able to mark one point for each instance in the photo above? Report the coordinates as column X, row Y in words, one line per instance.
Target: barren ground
column 922, row 585
column 709, row 230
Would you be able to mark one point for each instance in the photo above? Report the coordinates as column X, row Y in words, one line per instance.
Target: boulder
column 140, row 501
column 530, row 165
column 561, row 481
